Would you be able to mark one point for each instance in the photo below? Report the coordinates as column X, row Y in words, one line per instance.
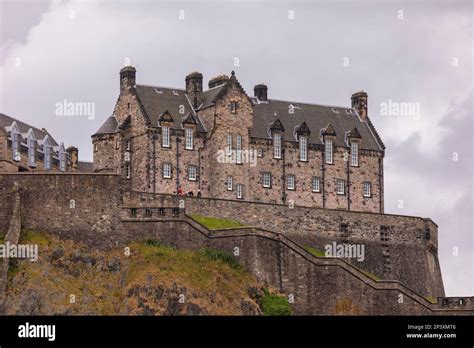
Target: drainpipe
column 154, row 162
column 178, row 140
column 323, row 170
column 283, row 197
column 380, row 186
column 348, row 185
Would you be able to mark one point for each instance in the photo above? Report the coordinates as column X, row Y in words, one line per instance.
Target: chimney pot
column 218, row 80
column 127, row 77
column 194, row 88
column 359, row 102
column 261, row 91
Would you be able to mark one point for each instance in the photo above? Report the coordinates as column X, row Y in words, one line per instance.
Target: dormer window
column 165, row 133
column 31, row 150
column 62, row 160
column 354, row 154
column 328, row 147
column 303, row 148
column 277, row 145
column 15, row 143
column 47, row 156
column 189, row 138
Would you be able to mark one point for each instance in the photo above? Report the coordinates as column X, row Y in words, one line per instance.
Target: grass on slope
column 213, row 279
column 213, row 223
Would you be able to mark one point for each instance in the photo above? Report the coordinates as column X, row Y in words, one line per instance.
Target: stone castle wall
column 101, row 218
column 397, row 247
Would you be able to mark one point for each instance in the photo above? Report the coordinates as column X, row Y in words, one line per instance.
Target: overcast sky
column 320, row 52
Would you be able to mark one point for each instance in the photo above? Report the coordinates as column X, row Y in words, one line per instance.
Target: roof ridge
column 164, row 87
column 306, row 103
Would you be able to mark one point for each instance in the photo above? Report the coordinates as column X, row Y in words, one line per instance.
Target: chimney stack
column 260, row 91
column 359, row 102
column 194, row 88
column 73, row 155
column 127, row 77
column 218, row 80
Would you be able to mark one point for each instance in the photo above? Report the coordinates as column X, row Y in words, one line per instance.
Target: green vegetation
column 369, row 274
column 196, row 268
column 314, row 251
column 213, row 223
column 108, row 282
column 273, row 304
column 319, row 253
column 222, row 256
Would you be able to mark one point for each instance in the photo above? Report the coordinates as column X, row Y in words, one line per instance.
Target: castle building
column 226, row 144
column 24, row 148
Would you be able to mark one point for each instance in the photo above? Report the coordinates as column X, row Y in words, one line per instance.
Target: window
column 128, row 171
column 47, row 157
column 328, row 151
column 303, row 148
column 340, row 187
column 354, row 154
column 316, row 184
column 95, row 148
column 229, row 144
column 147, row 212
column 31, row 152
column 116, row 143
column 167, row 170
column 192, row 173
column 62, row 161
column 260, row 153
column 229, row 183
column 240, row 193
column 239, row 149
column 367, row 189
column 290, row 182
column 277, row 145
column 233, row 107
column 189, row 138
column 129, row 145
column 133, row 212
column 165, row 132
column 266, row 180
column 15, row 146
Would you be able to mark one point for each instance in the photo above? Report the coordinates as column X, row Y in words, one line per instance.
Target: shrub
column 273, row 304
column 222, row 256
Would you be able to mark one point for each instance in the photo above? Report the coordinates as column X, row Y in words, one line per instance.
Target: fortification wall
column 78, row 206
column 402, row 248
column 396, row 247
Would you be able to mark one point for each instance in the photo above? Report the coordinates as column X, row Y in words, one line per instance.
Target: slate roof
column 316, row 117
column 109, row 126
column 85, row 167
column 209, row 96
column 164, row 103
column 157, row 100
column 6, row 122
